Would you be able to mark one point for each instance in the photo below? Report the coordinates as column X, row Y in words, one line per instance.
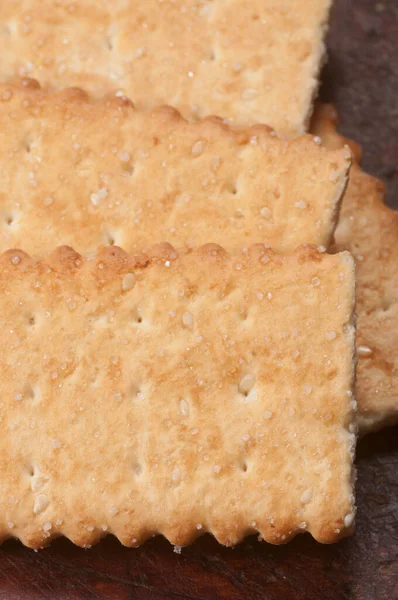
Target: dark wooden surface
column 362, row 80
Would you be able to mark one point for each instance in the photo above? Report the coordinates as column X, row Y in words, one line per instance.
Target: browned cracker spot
column 369, row 230
column 253, row 61
column 82, row 173
column 176, row 394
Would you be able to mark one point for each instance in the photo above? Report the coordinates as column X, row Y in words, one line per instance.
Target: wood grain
column 362, row 80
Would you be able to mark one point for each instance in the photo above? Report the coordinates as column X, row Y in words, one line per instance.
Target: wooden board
column 362, row 80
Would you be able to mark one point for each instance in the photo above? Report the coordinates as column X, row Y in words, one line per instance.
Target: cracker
column 176, row 394
column 249, row 61
column 83, row 174
column 369, row 230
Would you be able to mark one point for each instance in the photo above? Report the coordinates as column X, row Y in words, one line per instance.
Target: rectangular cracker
column 253, row 61
column 176, row 394
column 83, row 174
column 369, row 230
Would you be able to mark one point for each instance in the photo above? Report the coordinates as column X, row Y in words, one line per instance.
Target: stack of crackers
column 177, row 278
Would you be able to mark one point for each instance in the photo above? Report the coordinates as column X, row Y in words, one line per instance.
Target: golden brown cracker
column 85, row 173
column 176, row 394
column 369, row 230
column 248, row 61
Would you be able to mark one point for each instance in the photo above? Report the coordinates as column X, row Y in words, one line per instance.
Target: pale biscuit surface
column 369, row 230
column 84, row 174
column 176, row 395
column 251, row 61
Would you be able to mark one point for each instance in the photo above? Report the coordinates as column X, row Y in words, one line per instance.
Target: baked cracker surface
column 369, row 230
column 250, row 61
column 176, row 394
column 85, row 173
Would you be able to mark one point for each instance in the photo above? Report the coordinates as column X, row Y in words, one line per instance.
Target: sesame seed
column 176, row 549
column 36, row 483
column 15, row 260
column 331, row 335
column 90, row 528
column 249, row 94
column 184, row 408
column 317, row 139
column 303, row 525
column 246, row 384
column 349, row 519
column 216, row 468
column 6, row 95
column 47, row 526
column 198, row 147
column 237, row 66
column 306, row 496
column 321, row 249
column 266, row 212
column 301, row 204
column 364, row 351
column 125, row 156
column 215, row 162
column 199, row 526
column 176, row 475
column 128, row 282
column 187, row 320
column 41, row 503
column 95, row 199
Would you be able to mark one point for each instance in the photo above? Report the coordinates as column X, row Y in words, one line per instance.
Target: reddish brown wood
column 362, row 80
